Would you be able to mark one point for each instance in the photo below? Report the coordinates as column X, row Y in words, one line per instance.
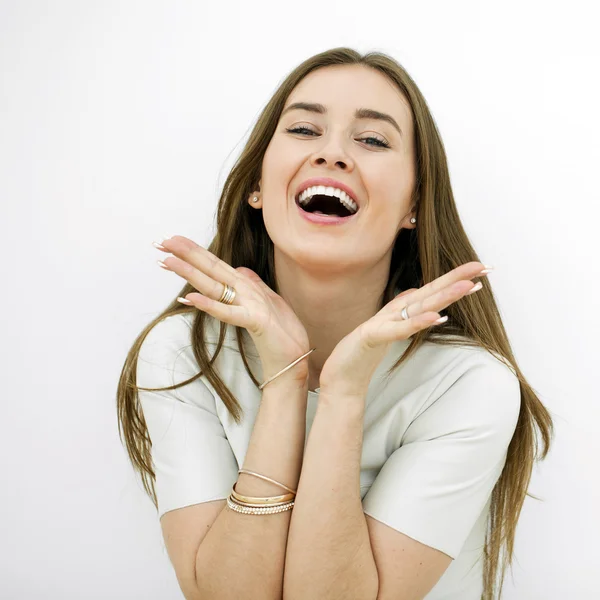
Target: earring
column 413, row 220
column 255, row 199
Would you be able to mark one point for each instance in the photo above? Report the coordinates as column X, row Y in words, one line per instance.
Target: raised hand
column 278, row 334
column 350, row 366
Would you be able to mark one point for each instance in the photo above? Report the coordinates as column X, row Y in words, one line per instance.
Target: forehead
column 344, row 88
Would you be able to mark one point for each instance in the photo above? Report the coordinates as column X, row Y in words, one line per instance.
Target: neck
column 329, row 305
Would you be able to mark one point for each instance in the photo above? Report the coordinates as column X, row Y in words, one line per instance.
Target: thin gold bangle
column 262, row 385
column 265, row 478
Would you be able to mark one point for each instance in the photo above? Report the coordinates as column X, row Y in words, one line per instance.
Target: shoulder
column 177, row 329
column 166, row 343
column 172, row 328
column 166, row 359
column 166, row 356
column 474, row 391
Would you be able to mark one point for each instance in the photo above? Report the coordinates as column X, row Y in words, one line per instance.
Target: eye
column 380, row 143
column 299, row 129
column 304, row 130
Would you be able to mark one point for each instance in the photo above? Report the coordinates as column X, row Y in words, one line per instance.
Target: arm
column 242, row 556
column 329, row 552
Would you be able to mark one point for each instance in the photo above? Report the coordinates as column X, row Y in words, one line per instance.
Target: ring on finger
column 404, row 313
column 228, row 295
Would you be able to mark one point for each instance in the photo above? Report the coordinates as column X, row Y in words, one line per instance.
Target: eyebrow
column 361, row 113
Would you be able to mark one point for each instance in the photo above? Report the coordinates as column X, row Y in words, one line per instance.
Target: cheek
column 390, row 199
column 384, row 193
column 268, row 158
column 390, row 187
column 279, row 166
column 274, row 158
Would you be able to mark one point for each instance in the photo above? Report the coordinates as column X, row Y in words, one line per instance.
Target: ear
column 411, row 215
column 255, row 194
column 252, row 202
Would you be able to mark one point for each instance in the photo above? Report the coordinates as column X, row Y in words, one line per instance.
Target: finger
column 201, row 258
column 462, row 272
column 459, row 277
column 390, row 331
column 229, row 313
column 201, row 268
column 406, row 292
column 206, row 285
column 447, row 296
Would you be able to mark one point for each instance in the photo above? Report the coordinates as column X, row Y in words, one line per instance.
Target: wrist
column 285, row 395
column 294, row 378
column 345, row 393
column 296, row 373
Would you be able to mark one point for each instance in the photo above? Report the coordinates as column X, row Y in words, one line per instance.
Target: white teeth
column 308, row 193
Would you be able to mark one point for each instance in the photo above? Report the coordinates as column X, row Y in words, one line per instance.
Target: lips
column 322, row 219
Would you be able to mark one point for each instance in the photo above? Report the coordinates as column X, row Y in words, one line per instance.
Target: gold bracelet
column 261, row 501
column 264, row 478
column 265, row 510
column 262, row 385
column 252, row 505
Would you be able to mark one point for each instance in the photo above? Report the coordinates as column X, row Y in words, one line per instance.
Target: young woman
column 341, row 439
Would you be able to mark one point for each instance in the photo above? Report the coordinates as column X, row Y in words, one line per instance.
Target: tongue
column 318, row 212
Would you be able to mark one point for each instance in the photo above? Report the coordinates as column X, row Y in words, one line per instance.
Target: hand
column 350, row 366
column 278, row 334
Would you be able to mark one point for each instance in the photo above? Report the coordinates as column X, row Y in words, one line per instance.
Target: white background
column 119, row 121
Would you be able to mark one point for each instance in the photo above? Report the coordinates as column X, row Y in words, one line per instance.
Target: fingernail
column 488, row 269
column 165, row 236
column 477, row 287
column 442, row 319
column 160, row 263
column 157, row 245
column 184, row 301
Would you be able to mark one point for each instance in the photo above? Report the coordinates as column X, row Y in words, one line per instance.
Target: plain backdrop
column 120, row 121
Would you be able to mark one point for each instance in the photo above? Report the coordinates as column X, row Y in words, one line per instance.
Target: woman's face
column 350, row 150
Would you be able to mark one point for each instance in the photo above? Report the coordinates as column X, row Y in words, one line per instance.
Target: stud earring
column 255, row 199
column 413, row 220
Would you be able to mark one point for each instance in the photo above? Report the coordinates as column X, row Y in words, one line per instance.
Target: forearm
column 242, row 556
column 329, row 552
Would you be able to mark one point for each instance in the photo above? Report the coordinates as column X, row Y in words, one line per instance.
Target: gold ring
column 228, row 295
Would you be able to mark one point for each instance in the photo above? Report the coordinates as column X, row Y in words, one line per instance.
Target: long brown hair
column 438, row 245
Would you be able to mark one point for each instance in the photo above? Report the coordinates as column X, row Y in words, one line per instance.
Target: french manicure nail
column 477, row 287
column 157, row 245
column 163, row 237
column 488, row 269
column 160, row 263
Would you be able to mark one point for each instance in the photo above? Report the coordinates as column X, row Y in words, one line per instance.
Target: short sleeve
column 193, row 460
column 434, row 487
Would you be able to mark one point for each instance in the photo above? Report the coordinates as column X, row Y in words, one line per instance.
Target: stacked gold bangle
column 252, row 505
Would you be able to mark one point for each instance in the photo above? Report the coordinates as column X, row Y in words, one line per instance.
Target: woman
column 386, row 451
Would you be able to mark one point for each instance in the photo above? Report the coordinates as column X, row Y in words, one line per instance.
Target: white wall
column 119, row 120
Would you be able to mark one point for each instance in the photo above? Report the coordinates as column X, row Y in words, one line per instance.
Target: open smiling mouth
column 325, row 205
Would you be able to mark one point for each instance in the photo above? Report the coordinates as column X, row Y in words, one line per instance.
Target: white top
column 436, row 435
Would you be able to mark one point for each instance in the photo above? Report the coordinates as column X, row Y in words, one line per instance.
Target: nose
column 332, row 154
